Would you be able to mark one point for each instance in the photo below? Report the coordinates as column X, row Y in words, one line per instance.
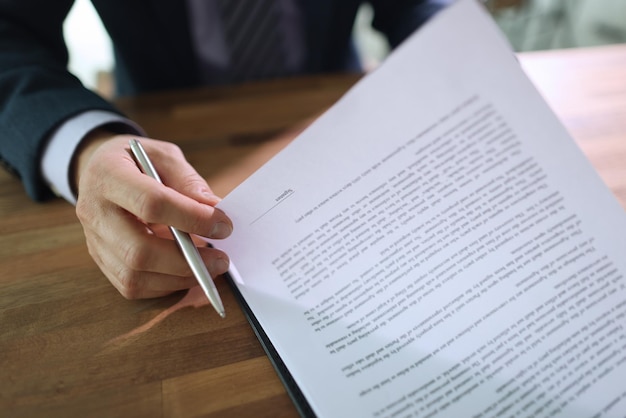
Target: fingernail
column 221, row 230
column 220, row 265
column 211, row 198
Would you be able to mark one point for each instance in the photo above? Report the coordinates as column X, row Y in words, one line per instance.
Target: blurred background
column 529, row 25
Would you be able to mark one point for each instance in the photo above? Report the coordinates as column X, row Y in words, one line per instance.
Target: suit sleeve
column 398, row 19
column 37, row 93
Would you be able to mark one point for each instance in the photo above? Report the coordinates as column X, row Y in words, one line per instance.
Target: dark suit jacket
column 153, row 52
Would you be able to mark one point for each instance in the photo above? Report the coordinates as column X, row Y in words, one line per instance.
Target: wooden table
column 70, row 345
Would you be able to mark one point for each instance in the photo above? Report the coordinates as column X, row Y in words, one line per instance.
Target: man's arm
column 37, row 93
column 122, row 211
column 57, row 159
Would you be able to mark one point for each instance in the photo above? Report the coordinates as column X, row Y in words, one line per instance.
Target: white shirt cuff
column 58, row 153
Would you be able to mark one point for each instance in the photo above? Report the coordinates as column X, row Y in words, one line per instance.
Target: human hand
column 124, row 214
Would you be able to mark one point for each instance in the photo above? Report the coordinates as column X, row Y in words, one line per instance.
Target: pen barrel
column 193, row 258
column 185, row 244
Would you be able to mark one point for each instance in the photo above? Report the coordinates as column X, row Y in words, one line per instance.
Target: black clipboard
column 296, row 395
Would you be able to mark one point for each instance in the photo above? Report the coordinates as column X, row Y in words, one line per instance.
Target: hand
column 124, row 213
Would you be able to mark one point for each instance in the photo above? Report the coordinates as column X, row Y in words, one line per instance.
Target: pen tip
column 222, row 314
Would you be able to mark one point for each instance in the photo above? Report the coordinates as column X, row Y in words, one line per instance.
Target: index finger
column 154, row 202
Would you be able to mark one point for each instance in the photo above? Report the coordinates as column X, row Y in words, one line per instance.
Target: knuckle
column 130, row 284
column 191, row 181
column 168, row 149
column 93, row 251
column 149, row 205
column 84, row 211
column 135, row 257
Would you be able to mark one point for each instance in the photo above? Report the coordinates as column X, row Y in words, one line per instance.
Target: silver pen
column 186, row 245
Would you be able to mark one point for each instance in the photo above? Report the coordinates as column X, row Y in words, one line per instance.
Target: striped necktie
column 252, row 33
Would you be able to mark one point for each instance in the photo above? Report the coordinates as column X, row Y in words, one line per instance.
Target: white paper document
column 436, row 245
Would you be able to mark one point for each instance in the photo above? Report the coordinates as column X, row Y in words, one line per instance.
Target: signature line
column 278, row 203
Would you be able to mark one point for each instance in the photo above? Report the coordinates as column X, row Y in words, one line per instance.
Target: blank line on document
column 280, row 199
